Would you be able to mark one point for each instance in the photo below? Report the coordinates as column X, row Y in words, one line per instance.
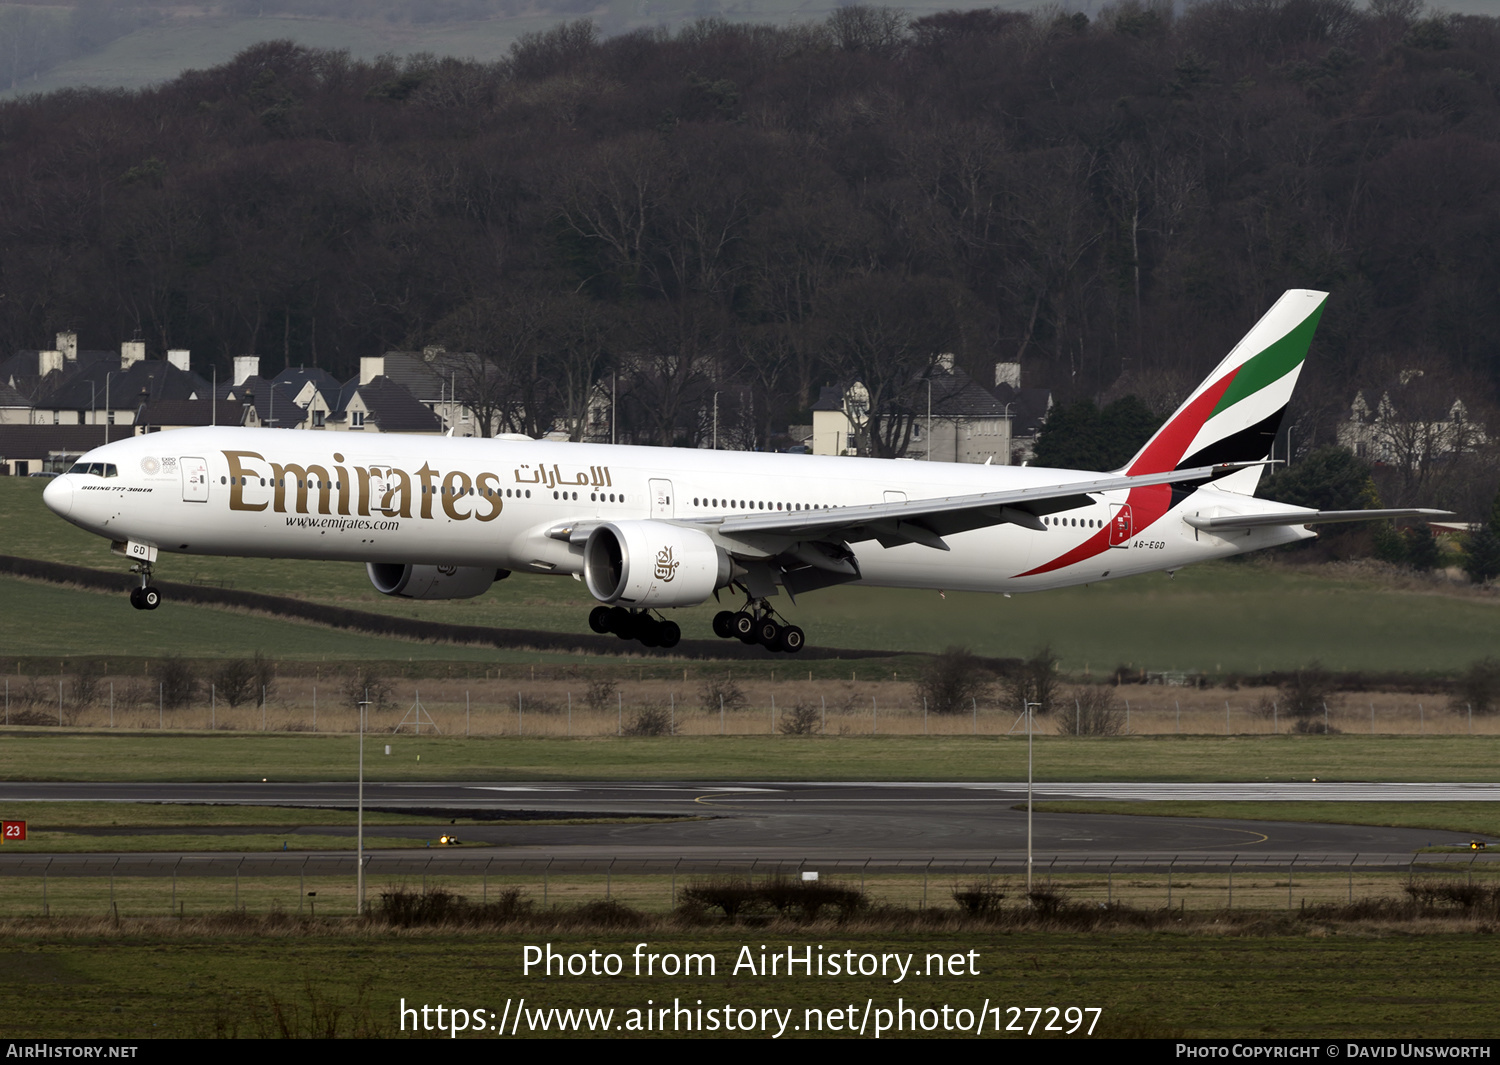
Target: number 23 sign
column 12, row 831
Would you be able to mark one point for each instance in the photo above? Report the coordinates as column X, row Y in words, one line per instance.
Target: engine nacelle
column 432, row 582
column 652, row 564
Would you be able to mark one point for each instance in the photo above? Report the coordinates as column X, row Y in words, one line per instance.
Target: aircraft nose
column 58, row 495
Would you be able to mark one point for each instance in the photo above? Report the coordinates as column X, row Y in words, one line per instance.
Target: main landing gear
column 757, row 624
column 635, row 625
column 145, row 597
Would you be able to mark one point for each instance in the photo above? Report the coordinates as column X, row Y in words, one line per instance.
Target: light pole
column 1025, row 705
column 359, row 903
column 716, row 421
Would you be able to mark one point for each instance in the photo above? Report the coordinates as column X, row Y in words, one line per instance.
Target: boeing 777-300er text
column 648, row 529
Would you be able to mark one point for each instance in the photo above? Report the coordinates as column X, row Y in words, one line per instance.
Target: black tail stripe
column 1247, row 445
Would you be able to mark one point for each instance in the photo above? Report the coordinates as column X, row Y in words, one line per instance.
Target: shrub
column 1479, row 688
column 808, row 898
column 85, row 685
column 1046, row 901
column 732, row 896
column 722, row 691
column 800, row 719
column 978, row 899
column 234, row 682
column 951, row 682
column 177, row 682
column 366, row 684
column 650, row 719
column 601, row 694
column 1091, row 711
column 1304, row 693
column 404, row 909
column 1422, row 553
column 1034, row 681
column 1482, row 555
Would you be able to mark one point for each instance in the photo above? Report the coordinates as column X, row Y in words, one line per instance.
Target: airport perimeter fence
column 665, row 709
column 206, row 885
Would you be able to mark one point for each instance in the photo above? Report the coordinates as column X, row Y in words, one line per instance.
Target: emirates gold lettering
column 237, row 476
column 341, row 484
column 455, row 488
column 388, row 491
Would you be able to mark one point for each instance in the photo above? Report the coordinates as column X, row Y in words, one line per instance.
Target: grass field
column 1160, row 985
column 1462, row 818
column 162, row 757
column 1220, row 618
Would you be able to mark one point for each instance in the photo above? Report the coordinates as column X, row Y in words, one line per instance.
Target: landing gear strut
column 757, row 624
column 637, row 625
column 146, row 597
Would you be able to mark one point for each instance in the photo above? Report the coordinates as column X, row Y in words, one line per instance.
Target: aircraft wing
column 927, row 521
column 1308, row 517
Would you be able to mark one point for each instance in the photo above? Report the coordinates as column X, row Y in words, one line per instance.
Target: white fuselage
column 472, row 502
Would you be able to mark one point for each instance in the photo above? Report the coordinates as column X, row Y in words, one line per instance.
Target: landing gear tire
column 768, row 634
column 792, row 639
column 599, row 619
column 648, row 630
column 724, row 624
column 669, row 634
column 135, row 598
column 743, row 627
column 150, row 598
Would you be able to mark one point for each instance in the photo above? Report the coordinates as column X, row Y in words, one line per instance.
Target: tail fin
column 1234, row 415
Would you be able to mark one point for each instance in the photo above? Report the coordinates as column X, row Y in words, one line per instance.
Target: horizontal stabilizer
column 1309, row 517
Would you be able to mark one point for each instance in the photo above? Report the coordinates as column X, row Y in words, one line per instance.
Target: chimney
column 370, row 367
column 131, row 352
column 49, row 362
column 245, row 367
column 178, row 357
column 1008, row 373
column 67, row 343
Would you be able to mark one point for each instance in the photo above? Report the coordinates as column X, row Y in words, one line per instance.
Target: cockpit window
column 98, row 469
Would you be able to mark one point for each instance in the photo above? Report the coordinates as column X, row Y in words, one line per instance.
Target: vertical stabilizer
column 1234, row 415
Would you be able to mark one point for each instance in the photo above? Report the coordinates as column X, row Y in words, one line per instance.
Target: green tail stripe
column 1278, row 360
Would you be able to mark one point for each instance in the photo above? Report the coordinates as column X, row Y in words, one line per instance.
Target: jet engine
column 645, row 564
column 432, row 582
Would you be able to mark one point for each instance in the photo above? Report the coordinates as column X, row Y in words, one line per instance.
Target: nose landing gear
column 757, row 624
column 636, row 625
column 146, row 597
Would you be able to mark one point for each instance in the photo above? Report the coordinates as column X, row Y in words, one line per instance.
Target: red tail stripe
column 1172, row 440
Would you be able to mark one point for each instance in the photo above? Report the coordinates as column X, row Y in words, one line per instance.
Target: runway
column 719, row 824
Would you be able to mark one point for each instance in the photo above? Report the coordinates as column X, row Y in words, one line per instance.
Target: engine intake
column 652, row 564
column 432, row 582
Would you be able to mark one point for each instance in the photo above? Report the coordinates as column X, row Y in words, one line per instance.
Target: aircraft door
column 1121, row 525
column 381, row 484
column 661, row 499
column 194, row 480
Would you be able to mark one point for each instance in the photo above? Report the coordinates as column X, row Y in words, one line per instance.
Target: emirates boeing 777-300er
column 648, row 529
